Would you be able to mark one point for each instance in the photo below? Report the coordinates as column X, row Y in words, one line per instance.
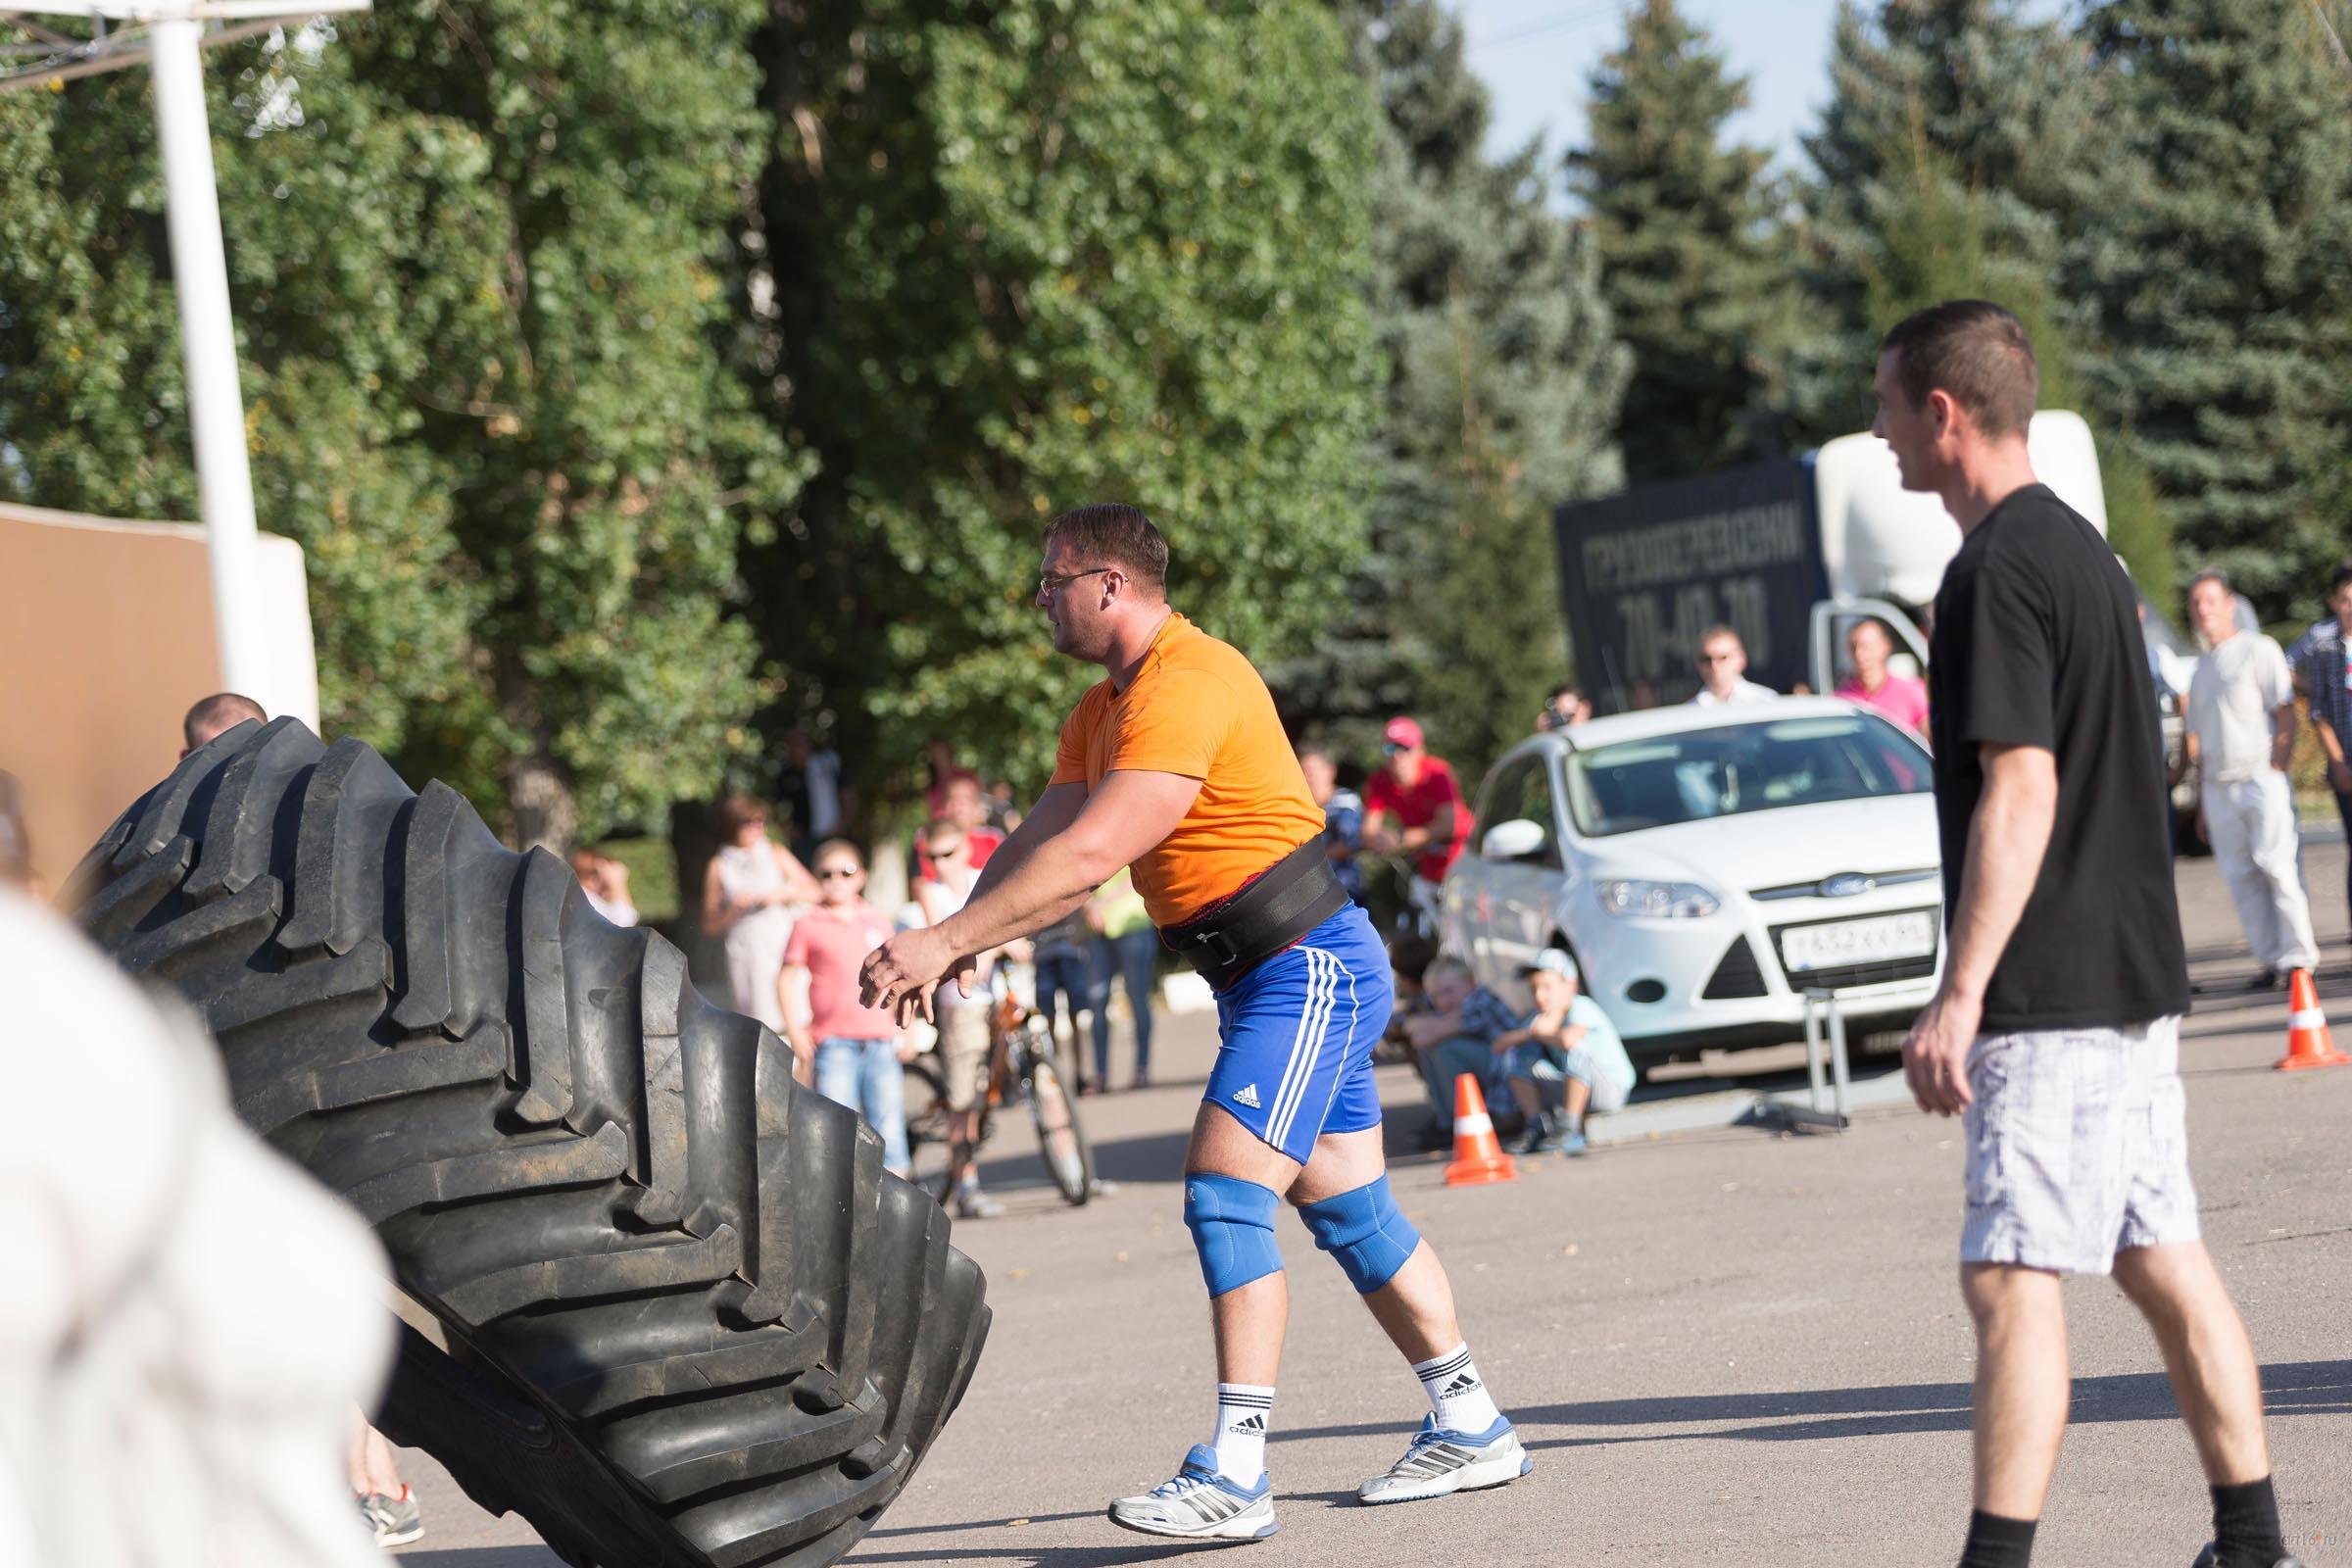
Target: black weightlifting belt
column 1280, row 904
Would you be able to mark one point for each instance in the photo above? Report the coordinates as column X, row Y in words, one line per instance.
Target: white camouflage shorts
column 2077, row 1148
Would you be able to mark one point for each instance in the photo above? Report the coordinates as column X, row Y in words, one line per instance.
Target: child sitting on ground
column 1565, row 1059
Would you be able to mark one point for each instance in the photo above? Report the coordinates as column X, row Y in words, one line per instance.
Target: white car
column 1709, row 865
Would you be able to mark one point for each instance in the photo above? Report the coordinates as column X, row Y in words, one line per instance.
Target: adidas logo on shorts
column 1248, row 1097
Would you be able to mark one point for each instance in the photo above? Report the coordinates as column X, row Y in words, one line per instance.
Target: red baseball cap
column 1402, row 731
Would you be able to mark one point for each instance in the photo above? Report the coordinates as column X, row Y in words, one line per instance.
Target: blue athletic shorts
column 1295, row 1037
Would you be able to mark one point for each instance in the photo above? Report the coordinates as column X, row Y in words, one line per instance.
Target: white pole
column 209, row 346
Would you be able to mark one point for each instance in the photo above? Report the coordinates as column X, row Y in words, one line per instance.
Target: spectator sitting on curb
column 1566, row 1057
column 1456, row 1036
column 1409, row 958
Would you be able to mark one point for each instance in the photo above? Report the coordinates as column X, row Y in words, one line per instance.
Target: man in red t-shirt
column 1412, row 806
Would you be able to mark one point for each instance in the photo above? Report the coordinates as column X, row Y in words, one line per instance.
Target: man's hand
column 899, row 974
column 1936, row 1055
column 2339, row 775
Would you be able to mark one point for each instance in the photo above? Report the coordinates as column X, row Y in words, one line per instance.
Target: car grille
column 1883, row 972
column 1738, row 975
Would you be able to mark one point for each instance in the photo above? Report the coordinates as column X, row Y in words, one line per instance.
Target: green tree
column 2222, row 283
column 476, row 256
column 1502, row 385
column 1695, row 262
column 2007, row 108
column 1934, row 246
column 1024, row 255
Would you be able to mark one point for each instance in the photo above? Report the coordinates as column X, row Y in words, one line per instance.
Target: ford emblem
column 1846, row 885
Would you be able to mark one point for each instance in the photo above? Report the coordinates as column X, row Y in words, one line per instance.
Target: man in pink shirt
column 856, row 1050
column 1901, row 697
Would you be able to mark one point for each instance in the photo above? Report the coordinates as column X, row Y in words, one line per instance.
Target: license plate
column 1837, row 944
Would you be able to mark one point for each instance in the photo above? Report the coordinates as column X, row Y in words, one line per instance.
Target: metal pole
column 1813, row 1010
column 209, row 348
column 1838, row 1058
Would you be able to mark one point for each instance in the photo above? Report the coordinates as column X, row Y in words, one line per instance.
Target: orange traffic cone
column 1478, row 1155
column 2308, row 1044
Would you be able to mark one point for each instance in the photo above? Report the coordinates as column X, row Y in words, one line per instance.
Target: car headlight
column 1636, row 898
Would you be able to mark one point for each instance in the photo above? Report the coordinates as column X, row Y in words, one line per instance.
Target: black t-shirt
column 2036, row 643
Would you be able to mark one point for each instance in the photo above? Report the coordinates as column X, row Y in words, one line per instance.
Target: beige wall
column 106, row 638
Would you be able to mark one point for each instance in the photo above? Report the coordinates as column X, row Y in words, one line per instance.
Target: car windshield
column 1742, row 767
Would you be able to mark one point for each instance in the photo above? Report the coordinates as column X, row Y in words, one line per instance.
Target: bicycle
column 1020, row 1065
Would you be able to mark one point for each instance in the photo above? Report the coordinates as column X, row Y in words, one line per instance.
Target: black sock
column 2245, row 1526
column 1997, row 1542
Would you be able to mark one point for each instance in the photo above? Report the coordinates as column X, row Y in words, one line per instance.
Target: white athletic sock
column 1242, row 1412
column 1457, row 1393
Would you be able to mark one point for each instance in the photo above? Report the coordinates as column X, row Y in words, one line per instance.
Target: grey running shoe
column 396, row 1521
column 1198, row 1503
column 1437, row 1462
column 973, row 1204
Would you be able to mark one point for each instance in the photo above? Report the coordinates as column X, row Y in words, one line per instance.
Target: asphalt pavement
column 1722, row 1344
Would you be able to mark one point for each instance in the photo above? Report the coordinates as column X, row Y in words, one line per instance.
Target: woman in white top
column 746, row 894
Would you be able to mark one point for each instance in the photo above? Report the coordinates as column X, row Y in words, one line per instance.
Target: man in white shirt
column 1723, row 671
column 2242, row 730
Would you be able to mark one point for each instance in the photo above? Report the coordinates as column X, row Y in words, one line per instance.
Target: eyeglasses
column 1053, row 582
column 1395, row 747
column 839, row 873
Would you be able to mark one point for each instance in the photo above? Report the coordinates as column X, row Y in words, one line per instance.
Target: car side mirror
column 1514, row 840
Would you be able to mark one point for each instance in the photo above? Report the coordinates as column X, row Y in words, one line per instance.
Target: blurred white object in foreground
column 187, row 1318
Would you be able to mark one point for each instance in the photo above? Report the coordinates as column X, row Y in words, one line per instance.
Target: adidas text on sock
column 1242, row 1412
column 1457, row 1393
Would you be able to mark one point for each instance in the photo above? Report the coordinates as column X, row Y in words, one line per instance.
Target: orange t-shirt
column 1197, row 708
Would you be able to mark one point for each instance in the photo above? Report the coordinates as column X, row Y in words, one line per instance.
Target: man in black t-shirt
column 2056, row 1026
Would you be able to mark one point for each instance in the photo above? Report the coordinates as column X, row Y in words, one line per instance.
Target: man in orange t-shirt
column 1176, row 764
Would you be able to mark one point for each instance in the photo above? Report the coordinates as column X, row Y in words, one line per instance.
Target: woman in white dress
column 747, row 898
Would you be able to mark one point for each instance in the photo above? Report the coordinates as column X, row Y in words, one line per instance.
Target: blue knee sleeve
column 1365, row 1231
column 1232, row 1222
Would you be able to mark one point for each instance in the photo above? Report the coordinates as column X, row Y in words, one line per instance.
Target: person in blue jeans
column 1126, row 948
column 2326, row 676
column 1064, row 959
column 1456, row 1034
column 854, row 1053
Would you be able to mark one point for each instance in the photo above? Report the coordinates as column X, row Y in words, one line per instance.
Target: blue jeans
column 864, row 1075
column 1064, row 976
column 1128, row 959
column 2343, row 807
column 1447, row 1059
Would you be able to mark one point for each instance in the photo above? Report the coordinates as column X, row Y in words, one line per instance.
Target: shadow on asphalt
column 2291, row 1387
column 533, row 1556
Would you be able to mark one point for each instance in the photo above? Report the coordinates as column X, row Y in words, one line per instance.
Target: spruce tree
column 2004, row 107
column 2220, row 276
column 1695, row 263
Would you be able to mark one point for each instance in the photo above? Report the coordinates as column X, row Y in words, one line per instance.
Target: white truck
column 1790, row 554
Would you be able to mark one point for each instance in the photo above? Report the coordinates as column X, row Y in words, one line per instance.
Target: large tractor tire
column 669, row 1308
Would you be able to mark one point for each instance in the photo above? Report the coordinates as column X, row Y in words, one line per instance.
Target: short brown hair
column 1976, row 352
column 217, row 715
column 737, row 809
column 1720, row 630
column 839, row 847
column 1112, row 533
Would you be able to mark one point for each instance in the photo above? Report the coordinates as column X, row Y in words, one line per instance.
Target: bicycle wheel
column 929, row 1125
column 1059, row 1138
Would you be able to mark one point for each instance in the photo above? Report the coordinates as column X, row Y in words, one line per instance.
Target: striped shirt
column 1485, row 1015
column 2326, row 671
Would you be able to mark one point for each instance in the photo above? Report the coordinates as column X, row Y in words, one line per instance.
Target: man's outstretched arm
column 1051, row 876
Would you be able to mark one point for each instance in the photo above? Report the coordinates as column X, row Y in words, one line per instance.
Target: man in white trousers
column 2242, row 730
